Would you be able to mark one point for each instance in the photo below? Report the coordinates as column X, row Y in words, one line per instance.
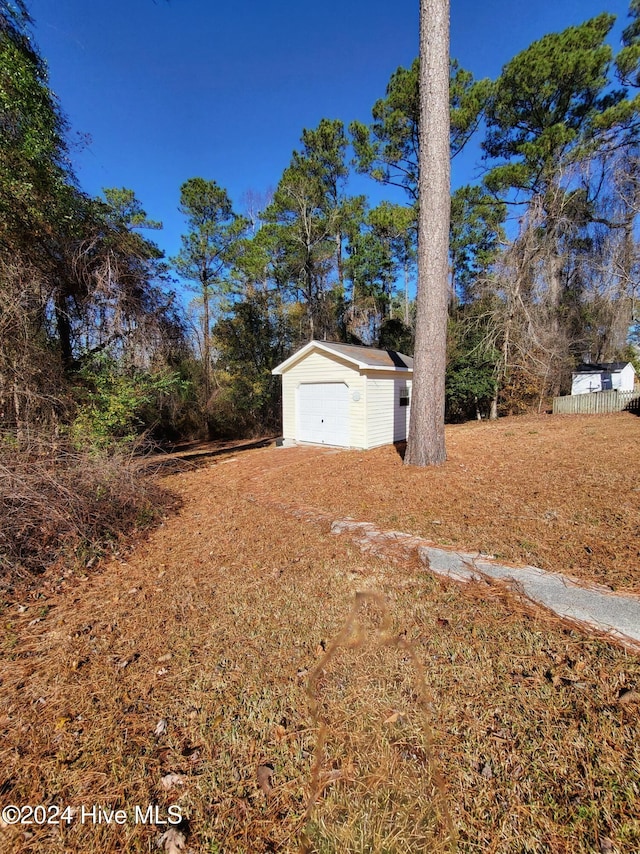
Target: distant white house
column 345, row 396
column 603, row 376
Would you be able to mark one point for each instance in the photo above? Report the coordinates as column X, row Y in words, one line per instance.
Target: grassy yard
column 560, row 493
column 289, row 694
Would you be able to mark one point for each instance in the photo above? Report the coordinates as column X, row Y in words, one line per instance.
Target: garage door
column 323, row 414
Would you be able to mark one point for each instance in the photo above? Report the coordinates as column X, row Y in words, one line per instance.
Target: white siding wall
column 401, row 413
column 583, row 383
column 627, row 378
column 379, row 412
column 320, row 368
column 387, row 421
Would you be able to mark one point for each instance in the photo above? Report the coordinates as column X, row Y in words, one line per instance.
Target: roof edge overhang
column 598, row 368
column 319, row 345
column 586, row 373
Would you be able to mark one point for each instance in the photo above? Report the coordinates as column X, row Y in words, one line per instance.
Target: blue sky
column 222, row 89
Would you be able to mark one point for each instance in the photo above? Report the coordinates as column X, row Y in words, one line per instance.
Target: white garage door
column 323, row 414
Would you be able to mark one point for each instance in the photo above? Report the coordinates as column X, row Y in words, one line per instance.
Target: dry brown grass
column 374, row 746
column 561, row 493
column 60, row 503
column 452, row 703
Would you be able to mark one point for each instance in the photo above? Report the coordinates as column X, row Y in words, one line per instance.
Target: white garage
column 604, row 376
column 323, row 413
column 345, row 396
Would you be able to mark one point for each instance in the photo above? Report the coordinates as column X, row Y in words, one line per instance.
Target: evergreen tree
column 388, row 149
column 207, row 251
column 307, row 222
column 551, row 114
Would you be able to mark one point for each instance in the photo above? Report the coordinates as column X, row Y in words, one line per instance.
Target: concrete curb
column 590, row 607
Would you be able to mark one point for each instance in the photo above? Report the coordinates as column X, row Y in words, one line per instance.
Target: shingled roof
column 369, row 356
column 596, row 367
column 362, row 357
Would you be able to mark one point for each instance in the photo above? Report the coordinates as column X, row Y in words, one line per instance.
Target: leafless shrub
column 58, row 503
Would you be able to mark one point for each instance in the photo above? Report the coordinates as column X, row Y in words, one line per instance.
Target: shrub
column 118, row 404
column 61, row 503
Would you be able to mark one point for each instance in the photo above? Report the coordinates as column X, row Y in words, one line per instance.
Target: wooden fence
column 597, row 403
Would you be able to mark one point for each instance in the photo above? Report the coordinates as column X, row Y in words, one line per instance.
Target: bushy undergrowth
column 61, row 503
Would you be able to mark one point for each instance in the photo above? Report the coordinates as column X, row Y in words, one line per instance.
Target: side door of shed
column 323, row 414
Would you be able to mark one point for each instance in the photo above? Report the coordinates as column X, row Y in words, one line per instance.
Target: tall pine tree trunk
column 406, row 293
column 425, row 444
column 206, row 341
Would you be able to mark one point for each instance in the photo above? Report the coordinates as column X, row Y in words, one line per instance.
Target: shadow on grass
column 401, row 448
column 187, row 458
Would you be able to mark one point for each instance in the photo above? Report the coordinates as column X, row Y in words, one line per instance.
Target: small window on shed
column 404, row 397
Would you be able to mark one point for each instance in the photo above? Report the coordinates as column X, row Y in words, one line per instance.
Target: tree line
column 95, row 339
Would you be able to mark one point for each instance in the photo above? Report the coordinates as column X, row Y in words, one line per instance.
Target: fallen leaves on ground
column 249, row 601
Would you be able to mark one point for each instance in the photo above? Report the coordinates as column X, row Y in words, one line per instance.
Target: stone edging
column 590, row 607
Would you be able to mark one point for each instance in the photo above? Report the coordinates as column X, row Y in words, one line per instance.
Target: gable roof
column 597, row 367
column 360, row 357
